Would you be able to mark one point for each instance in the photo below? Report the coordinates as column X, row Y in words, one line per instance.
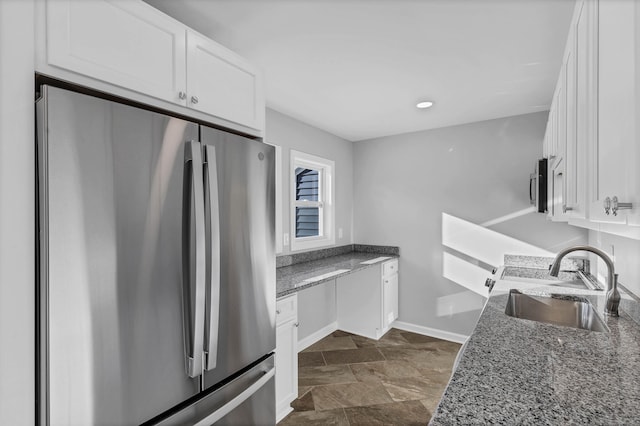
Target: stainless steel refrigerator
column 156, row 268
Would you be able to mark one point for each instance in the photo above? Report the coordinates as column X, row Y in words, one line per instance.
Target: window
column 312, row 201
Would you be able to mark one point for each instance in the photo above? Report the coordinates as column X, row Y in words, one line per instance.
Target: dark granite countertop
column 290, row 279
column 520, row 372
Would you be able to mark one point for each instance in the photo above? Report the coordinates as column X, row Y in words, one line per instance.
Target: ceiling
column 357, row 68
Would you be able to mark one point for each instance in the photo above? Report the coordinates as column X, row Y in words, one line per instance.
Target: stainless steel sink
column 565, row 310
column 574, row 283
column 542, row 277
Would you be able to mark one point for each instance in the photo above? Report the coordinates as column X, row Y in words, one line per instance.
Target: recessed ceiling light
column 424, row 104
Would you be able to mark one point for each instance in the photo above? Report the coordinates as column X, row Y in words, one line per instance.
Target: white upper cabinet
column 130, row 49
column 614, row 153
column 592, row 141
column 125, row 43
column 581, row 73
column 582, row 109
column 223, row 84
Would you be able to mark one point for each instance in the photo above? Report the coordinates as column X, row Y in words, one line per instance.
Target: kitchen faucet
column 612, row 298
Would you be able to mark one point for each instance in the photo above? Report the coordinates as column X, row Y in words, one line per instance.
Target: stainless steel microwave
column 538, row 186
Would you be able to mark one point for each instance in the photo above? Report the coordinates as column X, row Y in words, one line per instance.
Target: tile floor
column 345, row 379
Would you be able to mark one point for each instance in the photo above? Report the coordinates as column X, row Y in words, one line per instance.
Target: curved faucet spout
column 612, row 300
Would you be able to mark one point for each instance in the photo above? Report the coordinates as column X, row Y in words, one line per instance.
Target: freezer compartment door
column 247, row 400
column 241, row 292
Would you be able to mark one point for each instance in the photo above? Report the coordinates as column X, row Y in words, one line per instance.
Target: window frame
column 325, row 203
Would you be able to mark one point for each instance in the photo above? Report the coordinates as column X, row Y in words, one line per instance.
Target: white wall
column 626, row 256
column 403, row 184
column 17, row 214
column 291, row 134
column 536, row 229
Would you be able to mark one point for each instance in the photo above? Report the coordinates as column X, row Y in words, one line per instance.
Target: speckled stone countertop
column 290, row 279
column 521, row 372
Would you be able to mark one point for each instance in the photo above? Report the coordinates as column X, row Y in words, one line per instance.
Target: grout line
column 345, row 416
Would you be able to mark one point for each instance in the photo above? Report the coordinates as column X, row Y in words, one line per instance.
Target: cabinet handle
column 194, row 100
column 278, row 311
column 182, row 95
column 619, row 206
column 566, row 208
column 296, row 324
column 607, row 205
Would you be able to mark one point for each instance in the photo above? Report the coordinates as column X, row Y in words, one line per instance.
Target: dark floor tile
column 413, row 388
column 325, row 375
column 376, row 371
column 310, row 359
column 303, row 389
column 399, row 413
column 349, row 395
column 340, row 333
column 303, row 403
column 331, row 343
column 430, row 404
column 391, row 338
column 349, row 379
column 439, row 345
column 352, row 356
column 329, row 417
column 438, row 377
column 412, row 355
column 433, row 360
column 418, row 338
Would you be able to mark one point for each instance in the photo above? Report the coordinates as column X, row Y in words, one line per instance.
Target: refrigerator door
column 244, row 171
column 111, row 334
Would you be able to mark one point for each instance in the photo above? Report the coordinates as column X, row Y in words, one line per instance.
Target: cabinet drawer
column 390, row 267
column 286, row 309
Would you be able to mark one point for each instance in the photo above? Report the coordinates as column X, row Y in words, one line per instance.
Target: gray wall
column 291, row 134
column 403, row 184
column 316, row 308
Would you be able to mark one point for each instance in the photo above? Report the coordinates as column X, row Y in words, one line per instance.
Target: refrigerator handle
column 193, row 258
column 237, row 400
column 213, row 257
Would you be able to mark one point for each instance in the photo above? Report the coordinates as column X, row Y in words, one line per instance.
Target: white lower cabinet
column 390, row 290
column 286, row 354
column 368, row 300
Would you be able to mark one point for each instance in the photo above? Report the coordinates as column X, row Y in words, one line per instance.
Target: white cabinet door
column 390, row 285
column 127, row 43
column 360, row 306
column 222, row 83
column 570, row 207
column 286, row 355
column 615, row 151
column 585, row 113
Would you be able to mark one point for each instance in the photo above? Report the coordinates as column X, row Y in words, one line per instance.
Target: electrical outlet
column 285, row 239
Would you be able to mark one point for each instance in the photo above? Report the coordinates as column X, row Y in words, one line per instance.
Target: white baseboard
column 433, row 332
column 282, row 413
column 318, row 335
